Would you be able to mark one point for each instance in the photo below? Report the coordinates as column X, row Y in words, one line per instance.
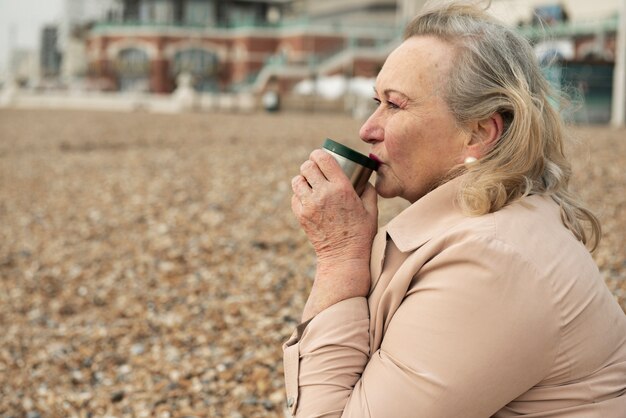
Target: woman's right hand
column 340, row 226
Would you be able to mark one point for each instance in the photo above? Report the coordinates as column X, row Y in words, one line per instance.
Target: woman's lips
column 375, row 158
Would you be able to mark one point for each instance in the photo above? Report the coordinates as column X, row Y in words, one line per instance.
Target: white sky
column 21, row 20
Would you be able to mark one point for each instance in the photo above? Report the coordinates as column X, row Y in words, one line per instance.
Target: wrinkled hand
column 339, row 225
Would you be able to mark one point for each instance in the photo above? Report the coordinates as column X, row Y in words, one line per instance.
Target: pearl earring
column 469, row 161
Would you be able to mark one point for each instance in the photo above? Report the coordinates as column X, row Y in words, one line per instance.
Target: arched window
column 133, row 69
column 202, row 65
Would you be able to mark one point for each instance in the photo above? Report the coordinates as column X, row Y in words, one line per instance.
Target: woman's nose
column 371, row 131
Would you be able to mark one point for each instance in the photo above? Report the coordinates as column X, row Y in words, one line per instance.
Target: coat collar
column 431, row 215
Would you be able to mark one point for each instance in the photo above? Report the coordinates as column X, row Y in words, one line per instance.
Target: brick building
column 233, row 44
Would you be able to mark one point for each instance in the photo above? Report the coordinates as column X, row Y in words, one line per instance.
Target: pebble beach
column 150, row 265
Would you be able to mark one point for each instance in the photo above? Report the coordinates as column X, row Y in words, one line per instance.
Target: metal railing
column 291, row 24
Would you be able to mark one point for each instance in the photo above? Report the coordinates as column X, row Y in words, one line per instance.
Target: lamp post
column 618, row 108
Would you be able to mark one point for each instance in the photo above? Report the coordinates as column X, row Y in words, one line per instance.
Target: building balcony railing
column 384, row 31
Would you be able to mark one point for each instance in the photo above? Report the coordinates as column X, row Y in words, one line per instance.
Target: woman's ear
column 485, row 135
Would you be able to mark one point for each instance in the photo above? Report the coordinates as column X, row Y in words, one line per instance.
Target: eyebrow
column 387, row 91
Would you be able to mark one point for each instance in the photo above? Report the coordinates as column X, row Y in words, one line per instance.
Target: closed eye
column 392, row 105
column 388, row 103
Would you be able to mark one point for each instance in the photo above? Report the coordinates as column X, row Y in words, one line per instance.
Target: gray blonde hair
column 495, row 71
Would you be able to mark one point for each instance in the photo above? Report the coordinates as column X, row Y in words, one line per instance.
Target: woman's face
column 412, row 133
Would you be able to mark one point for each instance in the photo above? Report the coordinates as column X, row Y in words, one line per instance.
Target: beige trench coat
column 500, row 315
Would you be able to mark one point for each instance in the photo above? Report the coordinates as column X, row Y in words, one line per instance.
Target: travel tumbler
column 355, row 165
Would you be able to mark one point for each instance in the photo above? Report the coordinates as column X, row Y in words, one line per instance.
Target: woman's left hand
column 339, row 225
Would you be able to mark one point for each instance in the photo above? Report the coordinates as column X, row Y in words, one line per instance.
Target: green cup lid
column 350, row 154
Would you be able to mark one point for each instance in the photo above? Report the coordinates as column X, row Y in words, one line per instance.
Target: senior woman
column 480, row 299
